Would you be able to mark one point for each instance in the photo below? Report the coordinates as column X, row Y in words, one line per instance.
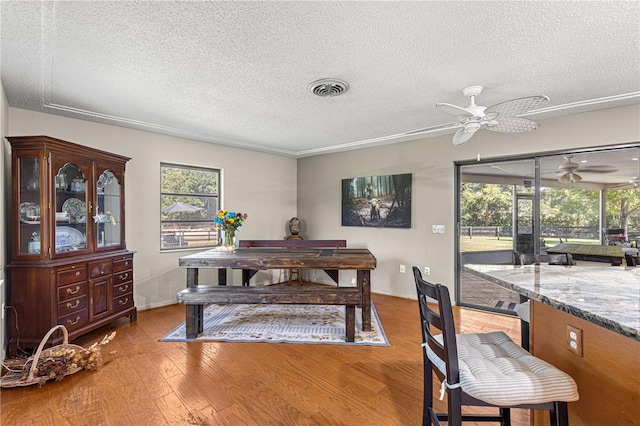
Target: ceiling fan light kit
column 502, row 117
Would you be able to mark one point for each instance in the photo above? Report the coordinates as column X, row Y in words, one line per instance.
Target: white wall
column 431, row 163
column 262, row 185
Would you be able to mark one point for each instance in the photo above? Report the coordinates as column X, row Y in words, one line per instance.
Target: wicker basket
column 27, row 376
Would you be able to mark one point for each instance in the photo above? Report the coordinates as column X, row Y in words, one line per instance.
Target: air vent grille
column 328, row 87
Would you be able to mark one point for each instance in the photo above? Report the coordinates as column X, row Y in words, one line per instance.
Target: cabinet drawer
column 122, row 277
column 72, row 274
column 72, row 305
column 99, row 269
column 122, row 302
column 122, row 263
column 74, row 320
column 72, row 291
column 126, row 288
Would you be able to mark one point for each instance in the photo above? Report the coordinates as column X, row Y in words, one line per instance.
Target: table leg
column 350, row 323
column 193, row 320
column 364, row 284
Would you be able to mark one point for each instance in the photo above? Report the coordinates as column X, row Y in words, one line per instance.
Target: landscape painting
column 377, row 201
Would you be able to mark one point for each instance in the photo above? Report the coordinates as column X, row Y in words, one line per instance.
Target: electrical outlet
column 427, row 271
column 402, row 269
column 574, row 340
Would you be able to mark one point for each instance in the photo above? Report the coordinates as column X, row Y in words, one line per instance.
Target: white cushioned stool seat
column 524, row 310
column 496, row 370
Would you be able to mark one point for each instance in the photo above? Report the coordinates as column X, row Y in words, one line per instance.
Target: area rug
column 324, row 324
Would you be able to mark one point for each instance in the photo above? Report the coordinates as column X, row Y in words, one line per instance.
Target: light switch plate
column 437, row 229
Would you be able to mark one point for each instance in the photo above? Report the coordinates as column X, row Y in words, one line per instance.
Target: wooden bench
column 291, row 244
column 348, row 296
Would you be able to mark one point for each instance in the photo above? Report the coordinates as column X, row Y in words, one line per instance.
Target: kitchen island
column 596, row 307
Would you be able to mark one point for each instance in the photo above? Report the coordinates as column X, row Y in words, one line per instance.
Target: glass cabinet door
column 108, row 208
column 71, row 210
column 30, row 184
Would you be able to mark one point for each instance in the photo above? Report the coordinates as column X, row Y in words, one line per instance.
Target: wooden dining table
column 197, row 295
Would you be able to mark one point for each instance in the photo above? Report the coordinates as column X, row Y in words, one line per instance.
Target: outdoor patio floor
column 477, row 291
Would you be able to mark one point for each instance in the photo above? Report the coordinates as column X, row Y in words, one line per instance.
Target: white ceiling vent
column 328, row 87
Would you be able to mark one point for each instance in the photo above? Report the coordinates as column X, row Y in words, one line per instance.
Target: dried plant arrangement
column 54, row 363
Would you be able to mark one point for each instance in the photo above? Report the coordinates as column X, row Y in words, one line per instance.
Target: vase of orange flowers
column 229, row 222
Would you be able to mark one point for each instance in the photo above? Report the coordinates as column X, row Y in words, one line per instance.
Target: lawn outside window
column 189, row 201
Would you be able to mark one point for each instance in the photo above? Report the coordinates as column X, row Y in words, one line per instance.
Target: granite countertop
column 608, row 296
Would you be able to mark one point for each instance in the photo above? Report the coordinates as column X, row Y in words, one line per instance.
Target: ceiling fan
column 502, row 117
column 568, row 170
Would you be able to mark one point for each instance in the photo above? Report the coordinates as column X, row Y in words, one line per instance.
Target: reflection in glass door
column 496, row 212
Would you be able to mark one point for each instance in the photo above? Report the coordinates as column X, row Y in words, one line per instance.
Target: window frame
column 205, row 238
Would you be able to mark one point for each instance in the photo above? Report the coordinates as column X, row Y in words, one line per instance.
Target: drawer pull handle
column 73, row 322
column 75, row 305
column 73, row 292
column 124, row 289
column 77, row 273
column 124, row 277
column 126, row 263
column 123, row 302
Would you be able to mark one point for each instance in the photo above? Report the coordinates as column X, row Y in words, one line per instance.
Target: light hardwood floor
column 148, row 382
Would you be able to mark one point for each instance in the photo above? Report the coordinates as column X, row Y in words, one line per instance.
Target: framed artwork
column 377, row 201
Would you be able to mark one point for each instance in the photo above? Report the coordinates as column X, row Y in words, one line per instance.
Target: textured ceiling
column 236, row 73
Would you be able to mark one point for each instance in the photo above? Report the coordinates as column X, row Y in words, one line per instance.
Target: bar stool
column 483, row 369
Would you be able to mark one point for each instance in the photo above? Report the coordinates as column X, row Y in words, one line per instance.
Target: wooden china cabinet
column 69, row 261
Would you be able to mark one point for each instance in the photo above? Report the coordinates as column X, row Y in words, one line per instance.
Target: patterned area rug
column 282, row 324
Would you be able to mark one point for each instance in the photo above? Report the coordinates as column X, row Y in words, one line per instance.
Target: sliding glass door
column 532, row 204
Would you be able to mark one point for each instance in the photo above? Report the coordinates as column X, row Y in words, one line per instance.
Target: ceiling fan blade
column 628, row 185
column 598, row 169
column 463, row 135
column 517, row 106
column 454, row 110
column 513, row 125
